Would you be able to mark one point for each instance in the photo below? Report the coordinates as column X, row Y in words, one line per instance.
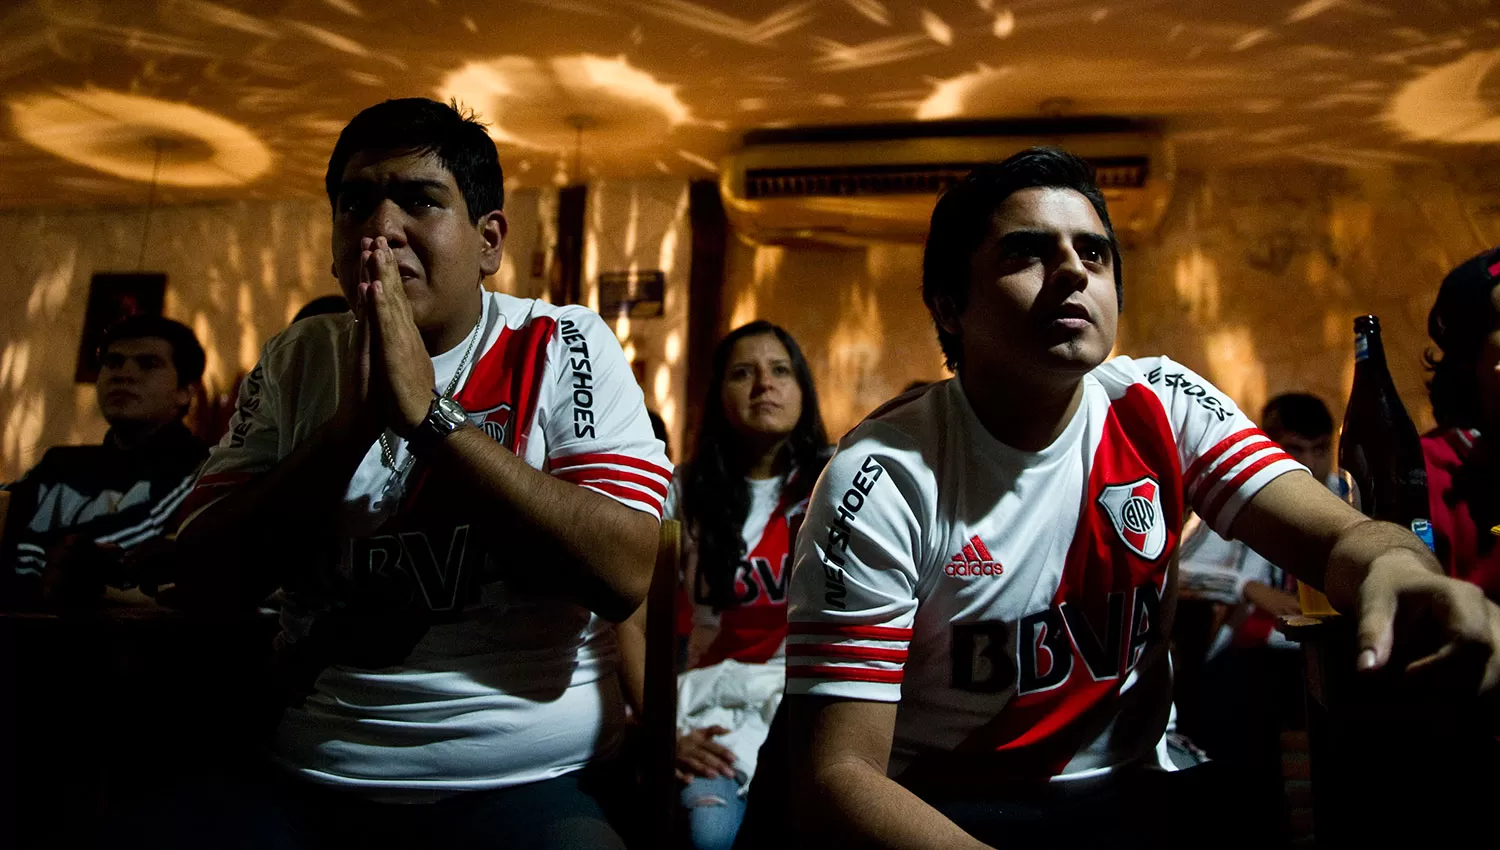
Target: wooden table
column 1393, row 764
column 108, row 701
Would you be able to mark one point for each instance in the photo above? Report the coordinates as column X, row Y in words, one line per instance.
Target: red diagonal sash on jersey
column 1043, row 731
column 511, row 373
column 753, row 631
column 507, row 381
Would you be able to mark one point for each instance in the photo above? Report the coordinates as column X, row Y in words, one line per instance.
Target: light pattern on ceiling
column 619, row 108
column 668, row 86
column 140, row 138
column 1447, row 104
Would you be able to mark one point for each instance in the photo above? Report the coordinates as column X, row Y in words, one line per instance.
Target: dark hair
column 659, row 428
column 187, row 354
column 322, row 305
column 417, row 125
column 715, row 497
column 963, row 215
column 1458, row 324
column 1297, row 413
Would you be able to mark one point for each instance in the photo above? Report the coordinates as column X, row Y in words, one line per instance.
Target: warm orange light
column 1444, row 104
column 525, row 100
column 119, row 134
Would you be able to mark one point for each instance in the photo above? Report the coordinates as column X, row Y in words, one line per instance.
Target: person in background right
column 1463, row 467
column 1250, row 686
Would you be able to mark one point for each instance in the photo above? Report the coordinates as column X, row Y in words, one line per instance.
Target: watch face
column 451, row 411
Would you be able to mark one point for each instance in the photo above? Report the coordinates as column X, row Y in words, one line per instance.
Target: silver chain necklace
column 387, row 453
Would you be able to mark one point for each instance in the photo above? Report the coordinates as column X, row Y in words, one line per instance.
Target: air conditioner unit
column 853, row 185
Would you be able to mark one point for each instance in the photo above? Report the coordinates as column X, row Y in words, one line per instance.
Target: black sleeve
column 16, row 583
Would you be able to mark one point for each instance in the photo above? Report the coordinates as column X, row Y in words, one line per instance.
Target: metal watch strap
column 433, row 428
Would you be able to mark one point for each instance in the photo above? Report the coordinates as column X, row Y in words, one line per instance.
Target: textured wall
column 1257, row 274
column 236, row 274
column 640, row 225
column 857, row 313
column 1253, row 279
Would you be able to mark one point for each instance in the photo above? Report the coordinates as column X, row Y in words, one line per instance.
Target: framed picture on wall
column 638, row 294
column 112, row 297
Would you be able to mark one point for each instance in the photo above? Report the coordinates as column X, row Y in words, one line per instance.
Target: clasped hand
column 392, row 375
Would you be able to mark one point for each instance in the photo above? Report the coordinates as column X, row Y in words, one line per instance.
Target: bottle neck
column 1369, row 351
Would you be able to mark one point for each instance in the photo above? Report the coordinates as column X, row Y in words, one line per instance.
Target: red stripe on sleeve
column 1206, row 459
column 622, row 492
column 1235, row 483
column 612, row 459
column 850, row 632
column 847, row 674
column 578, row 476
column 1209, row 479
column 856, row 653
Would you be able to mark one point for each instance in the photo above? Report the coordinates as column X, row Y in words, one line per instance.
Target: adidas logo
column 974, row 560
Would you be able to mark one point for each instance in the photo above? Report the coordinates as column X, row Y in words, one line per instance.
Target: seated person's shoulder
column 905, row 439
column 313, row 345
column 61, row 463
column 569, row 324
column 1447, row 449
column 1121, row 371
column 918, row 416
column 313, row 332
column 571, row 318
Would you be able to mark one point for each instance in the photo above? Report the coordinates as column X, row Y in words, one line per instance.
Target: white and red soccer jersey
column 463, row 679
column 1010, row 601
column 752, row 631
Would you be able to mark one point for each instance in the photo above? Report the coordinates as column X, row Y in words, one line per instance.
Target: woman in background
column 740, row 497
column 1463, row 463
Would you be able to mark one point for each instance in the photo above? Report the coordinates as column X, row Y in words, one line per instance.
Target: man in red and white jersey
column 456, row 492
column 985, row 579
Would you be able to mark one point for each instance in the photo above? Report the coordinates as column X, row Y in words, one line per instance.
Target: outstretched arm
column 1381, row 574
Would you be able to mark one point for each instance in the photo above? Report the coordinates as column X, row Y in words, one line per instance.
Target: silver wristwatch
column 443, row 418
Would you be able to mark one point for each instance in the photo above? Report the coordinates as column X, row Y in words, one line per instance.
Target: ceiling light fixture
column 579, row 122
column 159, row 144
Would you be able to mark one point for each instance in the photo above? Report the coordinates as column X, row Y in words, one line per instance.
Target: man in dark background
column 90, row 515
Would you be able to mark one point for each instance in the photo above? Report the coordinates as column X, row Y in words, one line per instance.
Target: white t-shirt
column 738, row 675
column 483, row 684
column 1012, row 601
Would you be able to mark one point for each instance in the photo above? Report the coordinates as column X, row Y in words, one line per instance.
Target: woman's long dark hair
column 1458, row 323
column 715, row 497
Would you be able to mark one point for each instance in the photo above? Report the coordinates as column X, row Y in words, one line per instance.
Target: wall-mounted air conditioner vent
column 857, row 180
column 853, row 184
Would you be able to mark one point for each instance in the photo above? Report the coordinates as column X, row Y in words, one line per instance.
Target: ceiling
column 244, row 99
